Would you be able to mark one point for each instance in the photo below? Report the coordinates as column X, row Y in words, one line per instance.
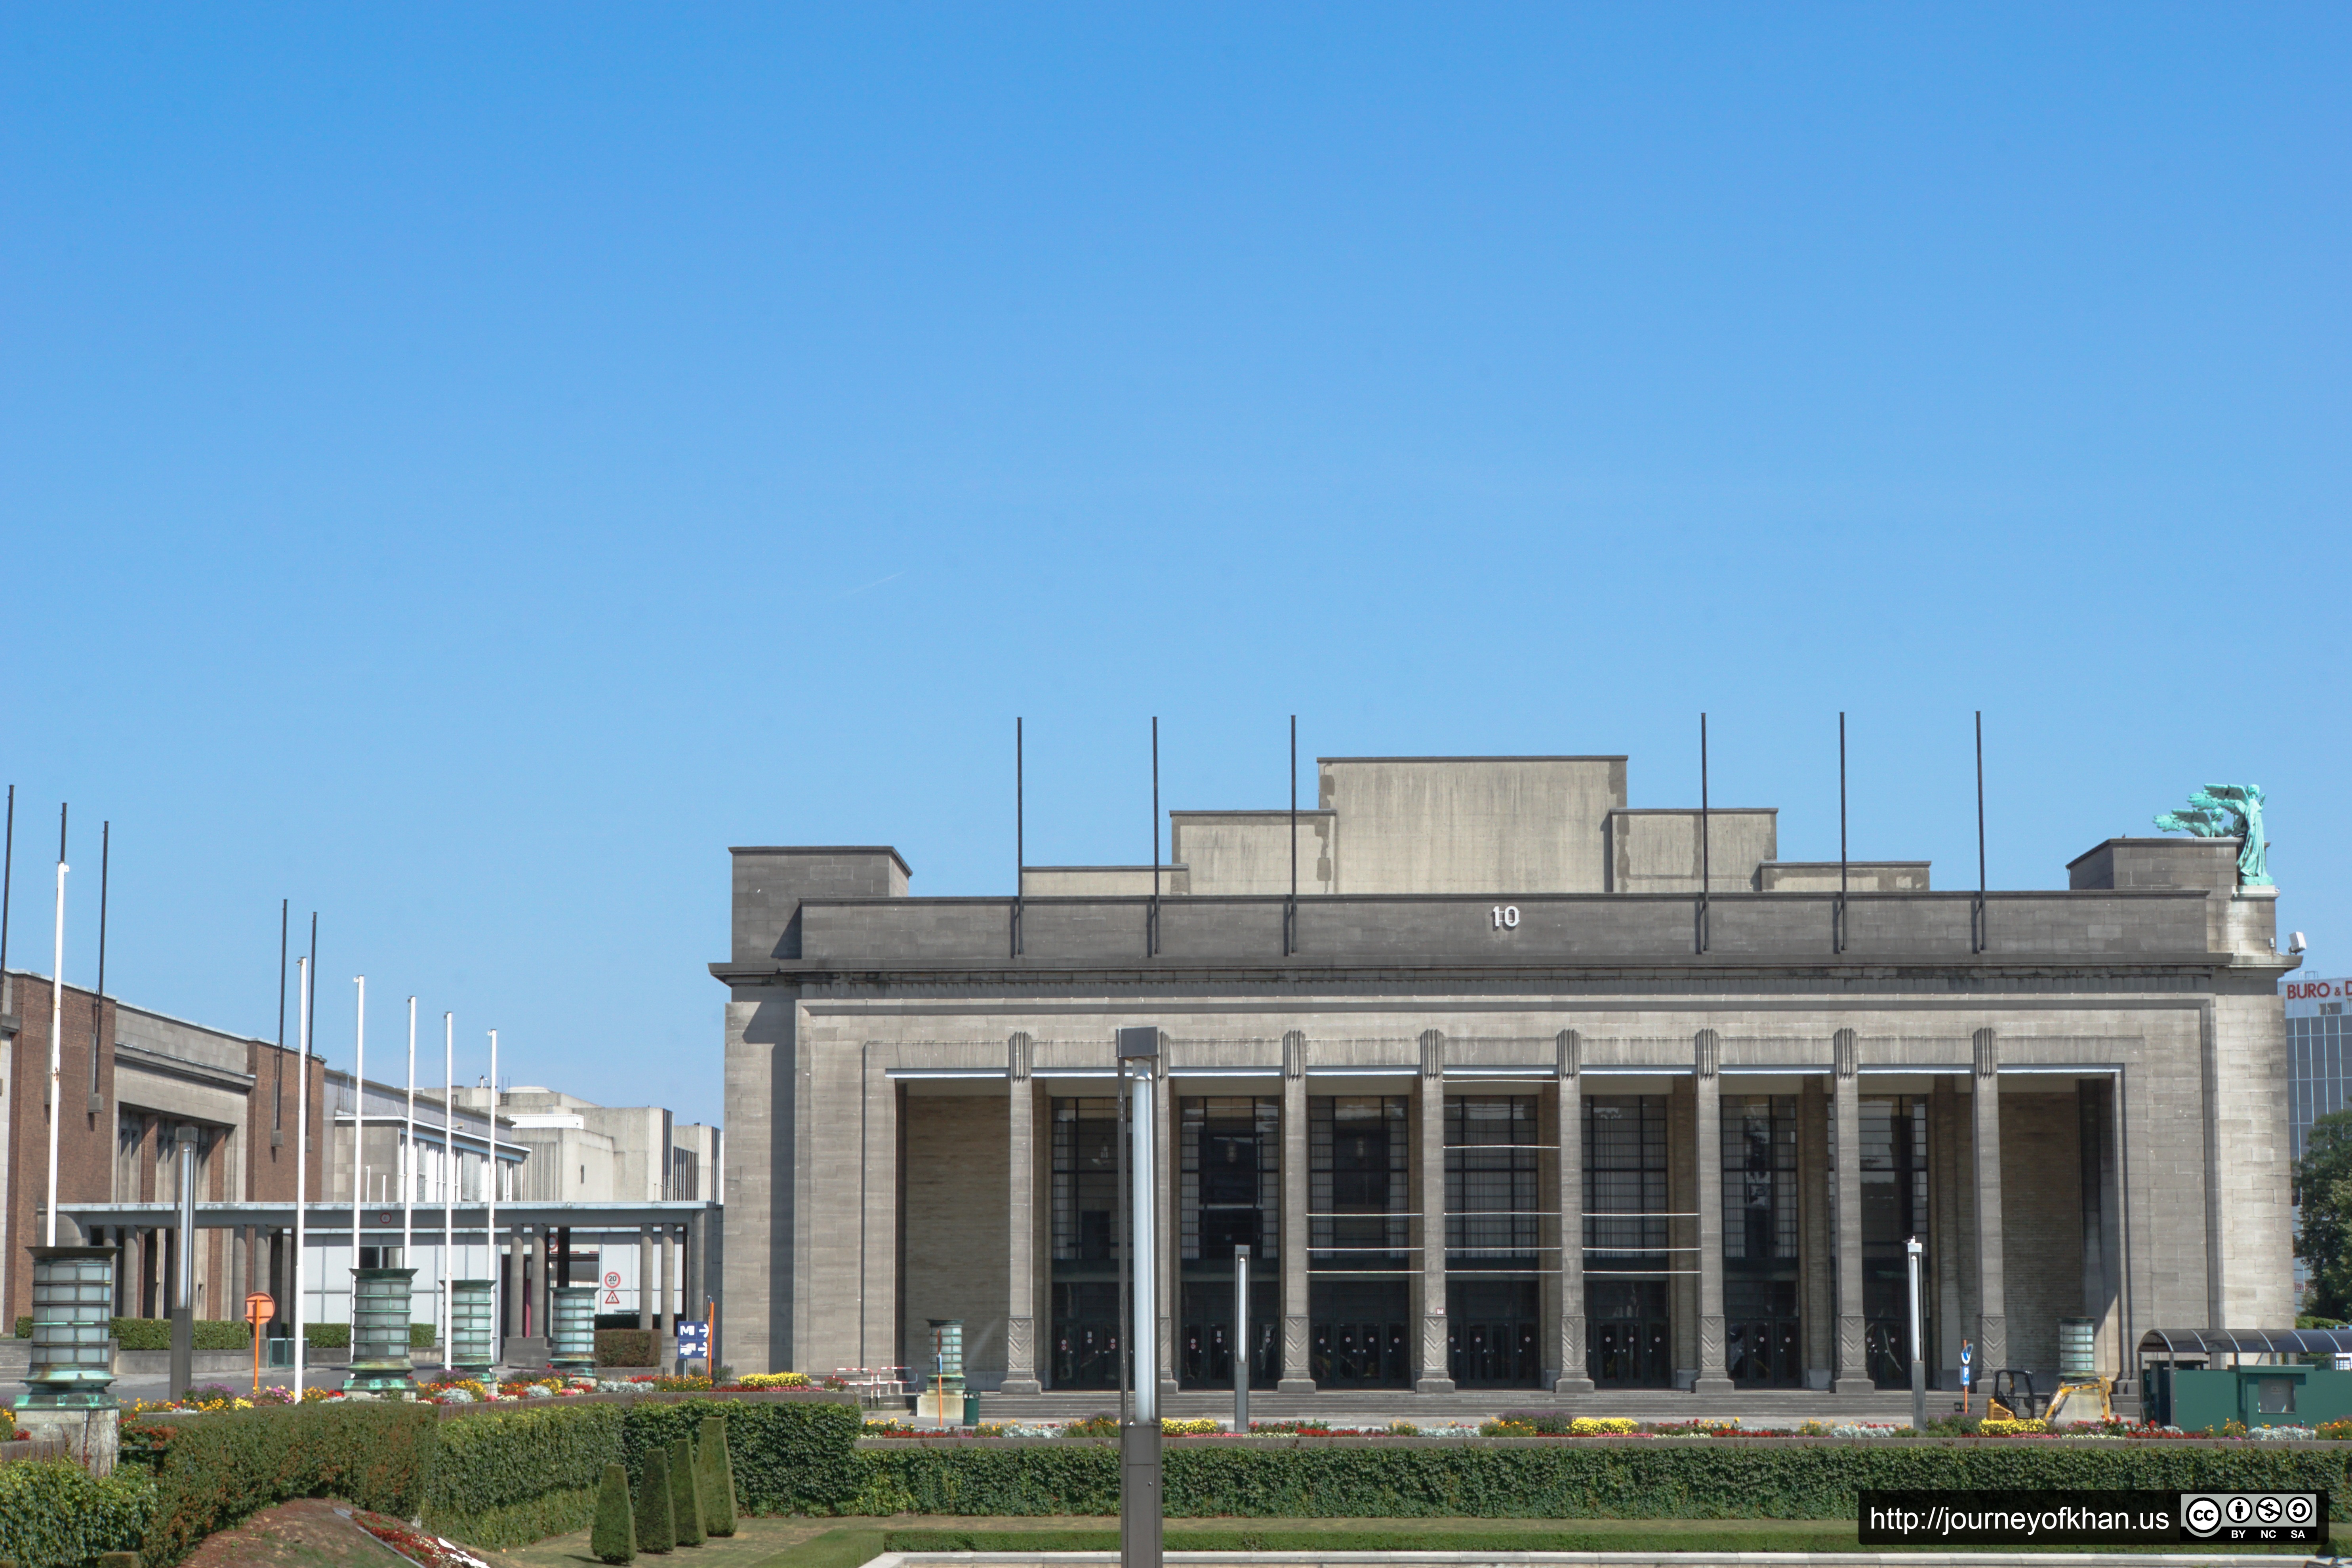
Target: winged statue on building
column 2227, row 811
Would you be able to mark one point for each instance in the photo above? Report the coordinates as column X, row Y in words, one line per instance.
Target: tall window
column 1624, row 1173
column 1356, row 1187
column 1490, row 1180
column 1231, row 1176
column 1759, row 1176
column 1086, row 1178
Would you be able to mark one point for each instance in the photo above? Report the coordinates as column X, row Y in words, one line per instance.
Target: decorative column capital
column 1570, row 1045
column 1988, row 1054
column 1294, row 1054
column 1433, row 1054
column 1707, row 1052
column 1016, row 1057
column 1845, row 1053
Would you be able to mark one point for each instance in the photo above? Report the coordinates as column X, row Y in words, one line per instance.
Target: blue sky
column 462, row 468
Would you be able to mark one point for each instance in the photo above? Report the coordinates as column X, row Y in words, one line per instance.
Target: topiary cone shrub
column 716, row 1476
column 685, row 1498
column 656, row 1526
column 614, row 1538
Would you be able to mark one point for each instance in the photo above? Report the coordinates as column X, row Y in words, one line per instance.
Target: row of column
column 1428, row 1231
column 540, row 1252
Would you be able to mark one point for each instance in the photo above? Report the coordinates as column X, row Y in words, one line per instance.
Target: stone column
column 645, row 1276
column 1433, row 1366
column 1853, row 1363
column 1992, row 1325
column 669, row 1280
column 1021, row 1224
column 1569, row 1200
column 1816, row 1247
column 1706, row 1054
column 1297, row 1376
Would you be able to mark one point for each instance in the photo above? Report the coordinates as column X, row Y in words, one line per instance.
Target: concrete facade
column 1397, row 1091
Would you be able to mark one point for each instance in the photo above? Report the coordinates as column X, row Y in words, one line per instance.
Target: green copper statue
column 2227, row 811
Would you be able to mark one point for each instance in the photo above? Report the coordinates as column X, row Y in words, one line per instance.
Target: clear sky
column 462, row 468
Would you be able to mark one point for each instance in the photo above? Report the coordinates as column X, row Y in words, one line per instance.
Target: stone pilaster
column 1171, row 1160
column 1852, row 1360
column 1706, row 1055
column 1992, row 1324
column 1297, row 1373
column 1568, row 1201
column 1020, row 1222
column 1432, row 1366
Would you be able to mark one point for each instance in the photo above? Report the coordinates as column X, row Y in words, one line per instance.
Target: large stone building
column 1502, row 997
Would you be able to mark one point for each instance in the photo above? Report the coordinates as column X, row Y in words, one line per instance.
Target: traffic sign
column 694, row 1338
column 259, row 1307
column 612, row 1278
column 612, row 1298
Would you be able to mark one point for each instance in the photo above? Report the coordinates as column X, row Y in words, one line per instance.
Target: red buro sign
column 2314, row 990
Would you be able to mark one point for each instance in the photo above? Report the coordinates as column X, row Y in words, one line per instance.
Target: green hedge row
column 1563, row 1480
column 156, row 1334
column 1730, row 1537
column 624, row 1347
column 55, row 1514
column 214, row 1470
column 338, row 1336
column 491, row 1476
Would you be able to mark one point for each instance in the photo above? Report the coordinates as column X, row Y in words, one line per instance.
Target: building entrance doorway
column 1626, row 1342
column 1204, row 1351
column 1085, row 1335
column 1492, row 1334
column 1357, row 1338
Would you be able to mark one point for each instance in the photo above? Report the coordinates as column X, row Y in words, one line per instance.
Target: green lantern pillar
column 380, row 1312
column 73, row 1310
column 572, row 1348
column 472, row 1338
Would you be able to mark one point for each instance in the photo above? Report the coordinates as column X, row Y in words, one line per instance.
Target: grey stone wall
column 2041, row 1233
column 957, row 1150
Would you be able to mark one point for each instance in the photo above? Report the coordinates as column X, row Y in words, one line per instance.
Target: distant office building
column 2316, row 1042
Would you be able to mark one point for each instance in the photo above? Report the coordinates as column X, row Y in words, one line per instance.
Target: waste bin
column 971, row 1409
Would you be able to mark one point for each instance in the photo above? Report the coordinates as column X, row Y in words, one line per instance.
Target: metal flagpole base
column 1919, row 1397
column 1138, row 1494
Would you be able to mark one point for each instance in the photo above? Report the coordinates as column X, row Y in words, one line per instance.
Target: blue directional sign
column 694, row 1341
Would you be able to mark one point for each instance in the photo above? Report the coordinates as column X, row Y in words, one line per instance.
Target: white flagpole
column 57, row 1026
column 490, row 1220
column 408, row 1164
column 301, row 1167
column 359, row 1152
column 449, row 1184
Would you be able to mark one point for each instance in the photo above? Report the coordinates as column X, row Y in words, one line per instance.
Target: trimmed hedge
column 212, row 1471
column 624, row 1347
column 1731, row 1537
column 507, row 1479
column 55, row 1514
column 156, row 1334
column 1648, row 1479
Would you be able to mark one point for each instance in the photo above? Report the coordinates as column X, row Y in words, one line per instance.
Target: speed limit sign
column 612, row 1278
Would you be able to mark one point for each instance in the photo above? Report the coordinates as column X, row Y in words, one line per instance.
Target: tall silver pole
column 1913, row 1253
column 490, row 1217
column 1241, row 1338
column 407, row 1166
column 183, row 1277
column 448, row 1182
column 57, row 1025
column 358, row 1149
column 301, row 1169
column 1140, row 1505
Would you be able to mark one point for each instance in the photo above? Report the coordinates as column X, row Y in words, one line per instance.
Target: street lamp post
column 1139, row 1539
column 1913, row 1253
column 1241, row 1337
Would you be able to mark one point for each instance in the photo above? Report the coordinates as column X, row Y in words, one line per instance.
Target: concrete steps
column 1341, row 1407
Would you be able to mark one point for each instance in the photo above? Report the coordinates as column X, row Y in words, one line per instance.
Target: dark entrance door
column 1763, row 1343
column 1627, row 1343
column 1492, row 1334
column 1085, row 1336
column 1204, row 1354
column 1358, row 1335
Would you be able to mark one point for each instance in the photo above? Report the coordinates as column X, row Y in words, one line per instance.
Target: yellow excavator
column 2075, row 1402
